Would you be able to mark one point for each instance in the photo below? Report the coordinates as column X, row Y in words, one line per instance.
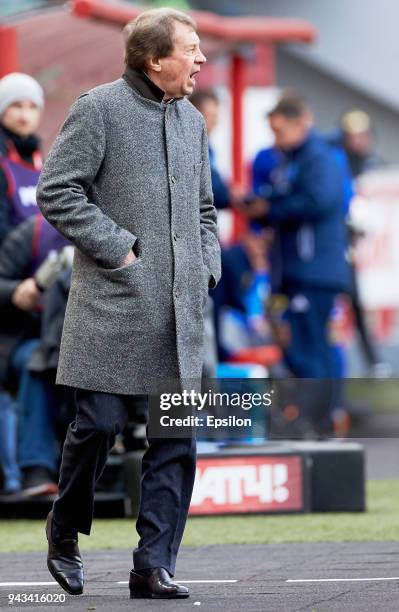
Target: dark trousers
column 168, row 472
column 310, row 354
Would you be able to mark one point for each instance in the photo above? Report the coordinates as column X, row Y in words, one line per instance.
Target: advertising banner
column 229, row 485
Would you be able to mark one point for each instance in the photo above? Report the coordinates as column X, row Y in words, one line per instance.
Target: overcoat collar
column 142, row 83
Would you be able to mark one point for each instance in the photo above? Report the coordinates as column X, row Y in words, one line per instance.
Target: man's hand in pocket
column 130, row 258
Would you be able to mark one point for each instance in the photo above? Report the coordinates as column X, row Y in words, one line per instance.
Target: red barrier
column 240, row 29
column 267, row 355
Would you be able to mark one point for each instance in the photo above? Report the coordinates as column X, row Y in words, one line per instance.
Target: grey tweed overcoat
column 128, row 171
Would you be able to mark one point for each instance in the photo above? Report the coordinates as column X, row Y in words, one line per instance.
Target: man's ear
column 154, row 64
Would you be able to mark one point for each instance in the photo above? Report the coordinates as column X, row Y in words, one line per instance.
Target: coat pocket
column 117, row 286
column 122, row 270
column 115, row 301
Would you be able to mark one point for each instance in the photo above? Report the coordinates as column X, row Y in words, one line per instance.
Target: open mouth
column 192, row 76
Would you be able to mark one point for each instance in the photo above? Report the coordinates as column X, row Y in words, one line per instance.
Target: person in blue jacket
column 303, row 198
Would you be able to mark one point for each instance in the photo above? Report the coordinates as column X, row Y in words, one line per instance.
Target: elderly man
column 128, row 183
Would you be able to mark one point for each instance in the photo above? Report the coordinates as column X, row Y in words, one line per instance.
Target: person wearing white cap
column 21, row 105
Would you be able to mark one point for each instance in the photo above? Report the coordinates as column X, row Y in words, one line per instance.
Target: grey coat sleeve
column 208, row 217
column 64, row 187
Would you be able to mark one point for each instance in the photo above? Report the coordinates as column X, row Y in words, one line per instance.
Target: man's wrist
column 117, row 255
column 130, row 258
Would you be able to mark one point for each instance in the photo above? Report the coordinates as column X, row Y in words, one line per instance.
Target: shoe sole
column 148, row 595
column 62, row 584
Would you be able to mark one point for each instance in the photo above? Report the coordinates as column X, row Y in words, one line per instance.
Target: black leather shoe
column 63, row 559
column 157, row 585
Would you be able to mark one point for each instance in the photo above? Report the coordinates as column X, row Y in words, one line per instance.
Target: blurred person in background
column 207, row 102
column 21, row 105
column 264, row 170
column 29, row 453
column 354, row 139
column 377, row 367
column 240, row 297
column 305, row 207
column 355, row 135
column 267, row 170
column 224, row 195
